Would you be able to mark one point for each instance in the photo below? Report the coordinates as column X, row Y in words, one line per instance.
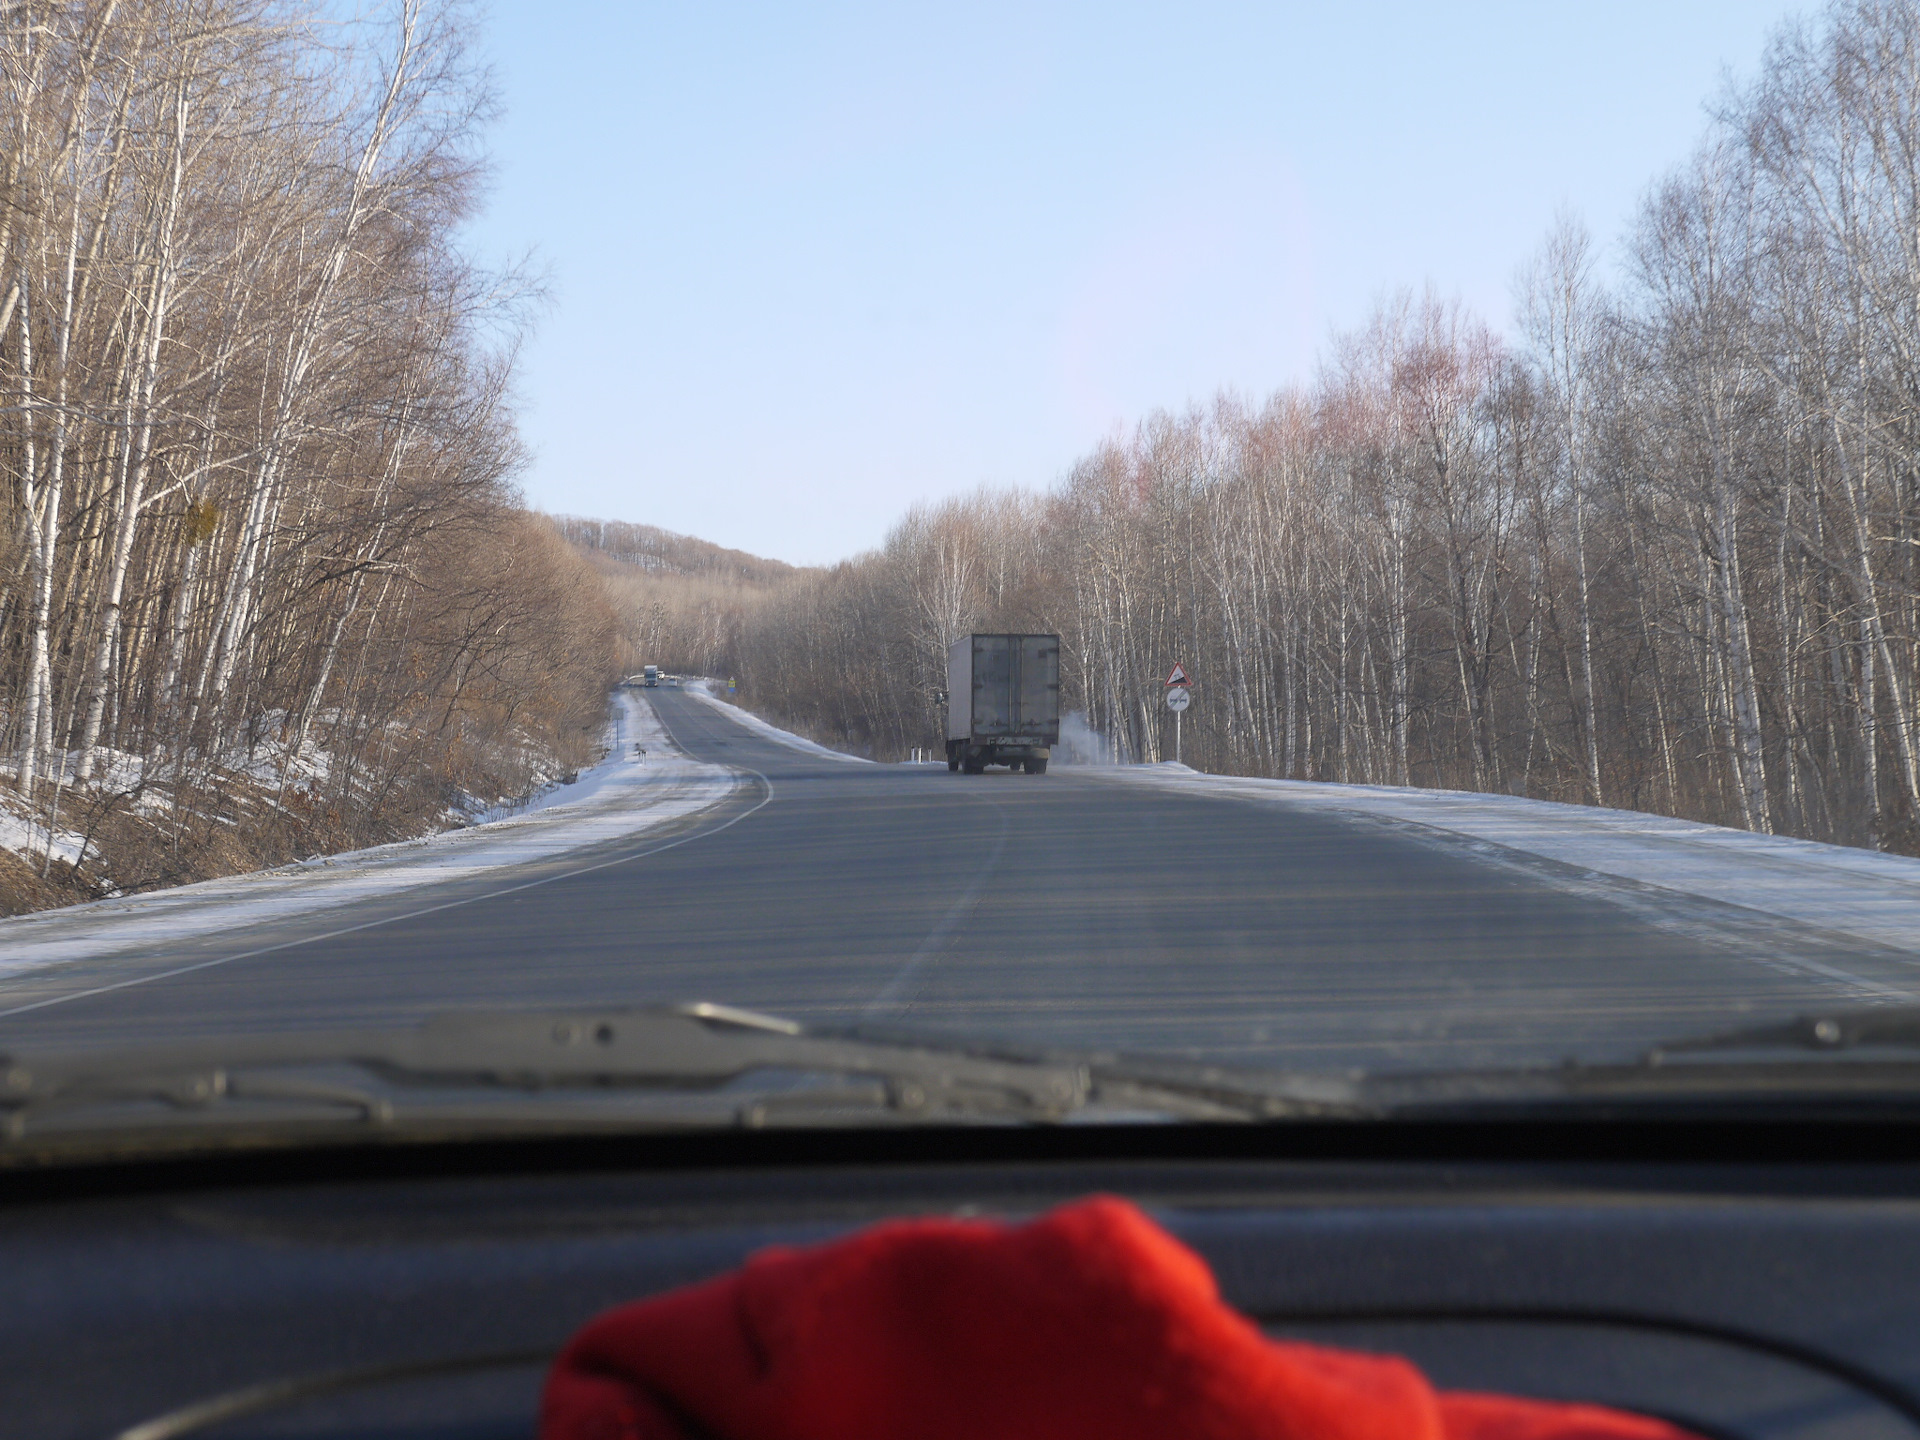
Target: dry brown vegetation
column 265, row 587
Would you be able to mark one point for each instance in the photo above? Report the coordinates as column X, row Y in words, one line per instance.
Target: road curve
column 1067, row 908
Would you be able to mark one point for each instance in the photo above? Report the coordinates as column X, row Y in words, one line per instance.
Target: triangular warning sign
column 1179, row 676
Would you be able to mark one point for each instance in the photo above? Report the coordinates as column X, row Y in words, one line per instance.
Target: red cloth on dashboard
column 1090, row 1322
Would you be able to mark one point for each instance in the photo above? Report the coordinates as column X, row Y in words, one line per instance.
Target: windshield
column 637, row 569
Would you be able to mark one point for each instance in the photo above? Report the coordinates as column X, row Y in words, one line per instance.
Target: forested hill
column 683, row 603
column 649, row 548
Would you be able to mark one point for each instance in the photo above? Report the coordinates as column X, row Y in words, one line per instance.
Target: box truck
column 1003, row 702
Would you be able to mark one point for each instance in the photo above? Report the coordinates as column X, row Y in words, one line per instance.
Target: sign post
column 1179, row 696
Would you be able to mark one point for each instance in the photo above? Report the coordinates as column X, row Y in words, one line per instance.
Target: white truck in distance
column 1003, row 702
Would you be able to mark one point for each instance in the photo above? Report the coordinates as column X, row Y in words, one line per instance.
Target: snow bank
column 621, row 796
column 1855, row 895
column 703, row 690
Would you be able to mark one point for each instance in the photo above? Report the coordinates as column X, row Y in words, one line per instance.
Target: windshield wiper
column 664, row 1067
column 1763, row 1070
column 1866, row 1026
column 703, row 1066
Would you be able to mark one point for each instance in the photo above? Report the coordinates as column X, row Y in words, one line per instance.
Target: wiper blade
column 681, row 1049
column 669, row 1066
column 1865, row 1026
column 1760, row 1070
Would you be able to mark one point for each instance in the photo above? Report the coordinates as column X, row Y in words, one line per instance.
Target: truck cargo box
column 1003, row 701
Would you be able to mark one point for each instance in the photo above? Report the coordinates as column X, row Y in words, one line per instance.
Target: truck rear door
column 993, row 698
column 1037, row 687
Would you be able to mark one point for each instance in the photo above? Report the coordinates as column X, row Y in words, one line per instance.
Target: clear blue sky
column 813, row 263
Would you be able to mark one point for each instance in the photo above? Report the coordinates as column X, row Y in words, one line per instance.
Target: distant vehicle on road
column 1003, row 702
column 650, row 676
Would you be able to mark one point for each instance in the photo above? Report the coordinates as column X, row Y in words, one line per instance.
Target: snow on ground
column 270, row 764
column 1853, row 895
column 26, row 836
column 24, row 831
column 621, row 796
column 703, row 690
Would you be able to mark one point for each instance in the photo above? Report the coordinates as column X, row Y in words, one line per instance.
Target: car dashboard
column 352, row 1297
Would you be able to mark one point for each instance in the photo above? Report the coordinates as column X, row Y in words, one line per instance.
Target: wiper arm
column 698, row 1064
column 683, row 1048
column 1891, row 1026
column 1771, row 1066
column 706, row 1065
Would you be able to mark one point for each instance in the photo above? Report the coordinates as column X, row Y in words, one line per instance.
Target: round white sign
column 1179, row 698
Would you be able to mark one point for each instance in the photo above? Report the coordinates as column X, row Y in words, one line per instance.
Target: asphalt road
column 1070, row 908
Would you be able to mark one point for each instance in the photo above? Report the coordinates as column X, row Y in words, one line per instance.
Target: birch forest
column 265, row 585
column 1655, row 547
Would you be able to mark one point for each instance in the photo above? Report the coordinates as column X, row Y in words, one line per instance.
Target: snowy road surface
column 1144, row 908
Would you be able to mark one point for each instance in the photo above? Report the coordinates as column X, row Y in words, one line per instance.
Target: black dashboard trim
column 1809, row 1146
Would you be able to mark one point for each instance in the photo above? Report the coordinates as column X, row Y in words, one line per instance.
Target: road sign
column 1178, row 677
column 1179, row 698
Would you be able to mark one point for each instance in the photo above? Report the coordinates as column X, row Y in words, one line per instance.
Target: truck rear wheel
column 1036, row 767
column 973, row 765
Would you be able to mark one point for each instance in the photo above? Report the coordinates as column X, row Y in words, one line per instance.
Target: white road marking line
column 937, row 937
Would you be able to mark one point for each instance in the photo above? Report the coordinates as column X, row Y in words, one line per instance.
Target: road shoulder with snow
column 1800, row 898
column 626, row 794
column 704, row 690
